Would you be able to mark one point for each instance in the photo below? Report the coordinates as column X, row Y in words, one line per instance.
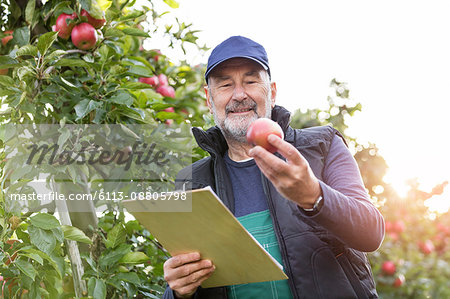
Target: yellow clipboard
column 212, row 230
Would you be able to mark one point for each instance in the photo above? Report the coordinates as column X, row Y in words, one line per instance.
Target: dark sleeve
column 168, row 294
column 347, row 211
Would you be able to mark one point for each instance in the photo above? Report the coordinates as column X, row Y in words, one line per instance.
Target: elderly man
column 306, row 204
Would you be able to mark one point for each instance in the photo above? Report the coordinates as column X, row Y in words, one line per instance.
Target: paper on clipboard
column 212, row 230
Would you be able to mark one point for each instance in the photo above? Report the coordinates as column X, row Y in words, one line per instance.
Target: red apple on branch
column 163, row 80
column 399, row 281
column 260, row 129
column 426, row 247
column 388, row 267
column 64, row 29
column 97, row 23
column 166, row 91
column 153, row 81
column 84, row 36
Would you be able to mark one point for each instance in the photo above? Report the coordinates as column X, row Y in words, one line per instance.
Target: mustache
column 240, row 105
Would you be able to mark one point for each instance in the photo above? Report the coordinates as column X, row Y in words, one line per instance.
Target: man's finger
column 188, row 269
column 182, row 259
column 286, row 149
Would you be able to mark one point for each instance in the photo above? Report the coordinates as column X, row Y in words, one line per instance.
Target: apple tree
column 73, row 63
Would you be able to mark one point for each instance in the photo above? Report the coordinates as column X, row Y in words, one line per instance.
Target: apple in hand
column 62, row 27
column 260, row 129
column 97, row 23
column 84, row 36
column 153, row 81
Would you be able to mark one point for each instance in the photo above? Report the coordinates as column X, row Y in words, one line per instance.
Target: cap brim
column 208, row 71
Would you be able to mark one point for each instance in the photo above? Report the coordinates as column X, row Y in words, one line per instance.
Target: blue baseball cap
column 237, row 46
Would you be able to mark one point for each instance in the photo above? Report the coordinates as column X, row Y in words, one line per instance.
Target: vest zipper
column 279, row 236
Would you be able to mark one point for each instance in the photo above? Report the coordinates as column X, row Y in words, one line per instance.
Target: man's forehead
column 236, row 63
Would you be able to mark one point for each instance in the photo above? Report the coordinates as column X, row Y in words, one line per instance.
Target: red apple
column 388, row 226
column 388, row 267
column 12, row 257
column 399, row 226
column 166, row 91
column 163, row 80
column 426, row 247
column 84, row 36
column 97, row 23
column 62, row 27
column 156, row 57
column 170, row 109
column 399, row 281
column 260, row 129
column 153, row 81
column 6, row 39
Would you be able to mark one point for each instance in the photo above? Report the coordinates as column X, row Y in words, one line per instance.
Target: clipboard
column 212, row 230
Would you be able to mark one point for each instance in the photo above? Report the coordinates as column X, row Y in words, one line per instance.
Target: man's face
column 238, row 93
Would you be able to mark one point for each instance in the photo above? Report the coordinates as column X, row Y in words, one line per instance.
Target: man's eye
column 251, row 82
column 225, row 85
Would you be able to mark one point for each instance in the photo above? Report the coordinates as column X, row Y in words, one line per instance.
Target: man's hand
column 293, row 178
column 185, row 273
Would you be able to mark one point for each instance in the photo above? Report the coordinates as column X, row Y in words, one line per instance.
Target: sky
column 394, row 56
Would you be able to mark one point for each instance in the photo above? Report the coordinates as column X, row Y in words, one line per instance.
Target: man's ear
column 208, row 97
column 273, row 93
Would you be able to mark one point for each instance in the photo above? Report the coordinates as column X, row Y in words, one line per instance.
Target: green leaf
column 21, row 36
column 44, row 221
column 26, row 268
column 71, row 62
column 35, row 257
column 131, row 277
column 67, row 82
column 113, row 32
column 112, row 256
column 86, row 106
column 134, row 258
column 75, row 234
column 135, row 32
column 6, row 62
column 122, row 98
column 96, row 11
column 6, row 81
column 135, row 85
column 58, row 233
column 20, row 172
column 116, row 236
column 96, row 288
column 46, row 41
column 172, row 3
column 27, row 50
column 141, row 71
column 29, row 11
column 43, row 239
column 45, row 257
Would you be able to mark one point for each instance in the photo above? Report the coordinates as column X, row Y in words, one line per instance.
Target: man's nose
column 239, row 93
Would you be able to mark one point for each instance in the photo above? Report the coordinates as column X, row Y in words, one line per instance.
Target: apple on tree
column 388, row 268
column 166, row 91
column 153, row 81
column 84, row 36
column 260, row 129
column 399, row 281
column 8, row 37
column 96, row 23
column 64, row 25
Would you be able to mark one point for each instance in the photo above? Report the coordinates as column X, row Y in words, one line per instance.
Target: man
column 306, row 204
